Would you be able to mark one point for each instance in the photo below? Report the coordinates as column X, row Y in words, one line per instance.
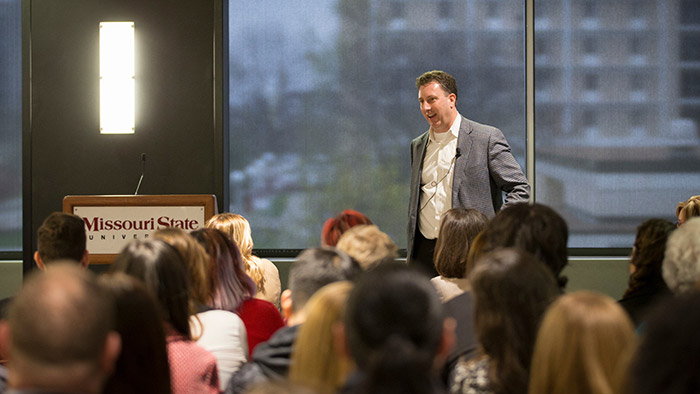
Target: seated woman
column 512, row 289
column 646, row 283
column 143, row 362
column 334, row 227
column 687, row 209
column 160, row 267
column 263, row 272
column 316, row 361
column 218, row 331
column 584, row 346
column 458, row 227
column 233, row 290
column 396, row 333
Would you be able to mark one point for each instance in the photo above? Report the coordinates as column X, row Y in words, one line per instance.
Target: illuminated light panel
column 117, row 85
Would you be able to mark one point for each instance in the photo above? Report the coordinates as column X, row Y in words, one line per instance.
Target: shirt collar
column 454, row 129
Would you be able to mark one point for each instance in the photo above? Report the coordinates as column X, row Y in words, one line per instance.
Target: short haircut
column 61, row 317
column 61, row 236
column 317, row 267
column 681, row 265
column 446, row 81
column 458, row 228
column 535, row 228
column 368, row 245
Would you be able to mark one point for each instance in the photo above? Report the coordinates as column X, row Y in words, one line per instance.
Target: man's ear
column 39, row 262
column 85, row 261
column 286, row 304
column 447, row 342
column 110, row 354
column 4, row 340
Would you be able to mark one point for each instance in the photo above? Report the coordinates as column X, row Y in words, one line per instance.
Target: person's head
column 511, row 289
column 585, row 342
column 60, row 332
column 437, row 95
column 237, row 228
column 143, row 363
column 368, row 245
column 687, row 209
column 60, row 237
column 160, row 267
column 535, row 228
column 668, row 355
column 194, row 256
column 458, row 227
column 313, row 269
column 229, row 283
column 395, row 330
column 316, row 362
column 681, row 265
column 648, row 253
column 334, row 227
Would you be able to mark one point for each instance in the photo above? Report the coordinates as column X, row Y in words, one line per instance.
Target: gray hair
column 681, row 265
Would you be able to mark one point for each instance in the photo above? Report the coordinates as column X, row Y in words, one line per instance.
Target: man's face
column 437, row 106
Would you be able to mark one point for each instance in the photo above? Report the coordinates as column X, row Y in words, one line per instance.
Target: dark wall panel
column 178, row 114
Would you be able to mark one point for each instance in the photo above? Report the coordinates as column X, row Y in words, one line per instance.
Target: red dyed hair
column 334, row 227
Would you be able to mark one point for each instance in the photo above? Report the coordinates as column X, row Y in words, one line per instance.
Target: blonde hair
column 315, row 362
column 689, row 208
column 584, row 346
column 237, row 228
column 368, row 245
column 195, row 257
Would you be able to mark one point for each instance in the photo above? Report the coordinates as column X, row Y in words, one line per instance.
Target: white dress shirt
column 436, row 179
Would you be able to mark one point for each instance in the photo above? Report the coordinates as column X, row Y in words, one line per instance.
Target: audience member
column 535, row 228
column 278, row 387
column 316, row 361
column 59, row 333
column 681, row 265
column 512, row 289
column 160, row 267
column 219, row 331
column 334, row 227
column 61, row 236
column 458, row 227
column 368, row 245
column 687, row 209
column 233, row 290
column 142, row 366
column 584, row 346
column 313, row 269
column 263, row 272
column 668, row 356
column 646, row 285
column 396, row 333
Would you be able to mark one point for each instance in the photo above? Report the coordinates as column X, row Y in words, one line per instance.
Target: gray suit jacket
column 484, row 170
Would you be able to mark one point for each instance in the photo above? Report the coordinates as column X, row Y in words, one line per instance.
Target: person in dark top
column 646, row 284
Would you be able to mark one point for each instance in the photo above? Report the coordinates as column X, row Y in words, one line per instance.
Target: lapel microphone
column 459, row 153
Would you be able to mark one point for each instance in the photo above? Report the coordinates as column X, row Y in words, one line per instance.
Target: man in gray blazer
column 457, row 163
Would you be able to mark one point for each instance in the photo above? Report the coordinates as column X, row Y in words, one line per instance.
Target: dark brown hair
column 458, row 227
column 535, row 228
column 512, row 290
column 648, row 253
column 61, row 236
column 446, row 81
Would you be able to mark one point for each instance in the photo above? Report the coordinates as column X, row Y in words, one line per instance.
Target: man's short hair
column 446, row 81
column 60, row 317
column 681, row 265
column 368, row 245
column 61, row 236
column 317, row 267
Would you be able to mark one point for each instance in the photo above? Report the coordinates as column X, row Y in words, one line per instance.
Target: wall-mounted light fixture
column 117, row 85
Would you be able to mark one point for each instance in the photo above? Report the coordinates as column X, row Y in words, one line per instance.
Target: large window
column 323, row 103
column 323, row 106
column 10, row 125
column 616, row 116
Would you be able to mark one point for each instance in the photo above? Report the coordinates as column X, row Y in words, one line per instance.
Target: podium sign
column 111, row 222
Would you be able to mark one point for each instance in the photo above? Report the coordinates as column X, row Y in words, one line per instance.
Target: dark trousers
column 423, row 251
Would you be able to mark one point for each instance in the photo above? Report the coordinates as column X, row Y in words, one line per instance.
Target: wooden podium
column 112, row 221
